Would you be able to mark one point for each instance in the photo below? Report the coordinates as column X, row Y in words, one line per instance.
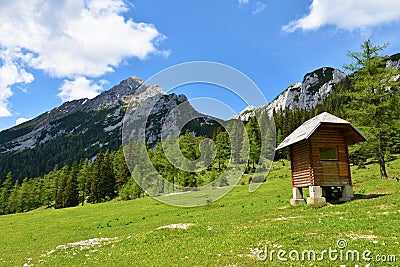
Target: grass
column 224, row 233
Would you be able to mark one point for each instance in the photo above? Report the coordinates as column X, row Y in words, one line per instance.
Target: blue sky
column 54, row 51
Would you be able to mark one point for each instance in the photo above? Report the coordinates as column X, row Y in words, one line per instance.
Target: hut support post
column 297, row 196
column 315, row 195
column 347, row 193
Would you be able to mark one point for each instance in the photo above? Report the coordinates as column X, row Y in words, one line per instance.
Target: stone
column 347, row 193
column 315, row 195
column 297, row 196
column 295, row 202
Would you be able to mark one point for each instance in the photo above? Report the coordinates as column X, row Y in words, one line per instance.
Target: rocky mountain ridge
column 314, row 89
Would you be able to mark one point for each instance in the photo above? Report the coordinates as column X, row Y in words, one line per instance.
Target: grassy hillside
column 225, row 233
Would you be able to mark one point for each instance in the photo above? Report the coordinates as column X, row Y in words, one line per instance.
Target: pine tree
column 268, row 140
column 188, row 178
column 71, row 192
column 122, row 173
column 254, row 135
column 236, row 129
column 107, row 176
column 188, row 146
column 95, row 184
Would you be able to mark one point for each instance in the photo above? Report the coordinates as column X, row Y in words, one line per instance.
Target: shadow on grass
column 368, row 196
column 375, row 161
column 338, row 202
column 356, row 197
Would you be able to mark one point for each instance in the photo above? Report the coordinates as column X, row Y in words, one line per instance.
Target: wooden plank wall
column 330, row 173
column 301, row 164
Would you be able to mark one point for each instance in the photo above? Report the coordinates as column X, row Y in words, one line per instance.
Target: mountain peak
column 393, row 62
column 122, row 94
column 314, row 89
column 74, row 117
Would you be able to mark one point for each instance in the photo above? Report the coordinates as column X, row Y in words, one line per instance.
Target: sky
column 57, row 51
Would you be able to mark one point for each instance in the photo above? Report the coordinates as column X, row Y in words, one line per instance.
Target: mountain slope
column 77, row 117
column 81, row 128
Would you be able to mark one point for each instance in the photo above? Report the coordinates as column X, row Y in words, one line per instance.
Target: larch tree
column 374, row 94
column 5, row 192
column 62, row 183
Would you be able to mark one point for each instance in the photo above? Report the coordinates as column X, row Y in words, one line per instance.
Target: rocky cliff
column 314, row 89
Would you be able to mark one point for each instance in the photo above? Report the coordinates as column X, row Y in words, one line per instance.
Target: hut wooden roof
column 305, row 130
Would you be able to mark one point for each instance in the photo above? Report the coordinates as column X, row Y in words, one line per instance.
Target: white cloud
column 70, row 39
column 243, row 1
column 10, row 73
column 347, row 14
column 79, row 88
column 21, row 120
column 259, row 8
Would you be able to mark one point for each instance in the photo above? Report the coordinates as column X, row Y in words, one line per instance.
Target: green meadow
column 240, row 229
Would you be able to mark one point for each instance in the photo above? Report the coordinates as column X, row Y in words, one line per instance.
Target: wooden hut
column 319, row 158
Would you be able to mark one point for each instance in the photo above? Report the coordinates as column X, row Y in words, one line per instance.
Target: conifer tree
column 5, row 192
column 188, row 146
column 374, row 98
column 253, row 131
column 131, row 189
column 71, row 192
column 49, row 188
column 95, row 184
column 171, row 172
column 107, row 176
column 122, row 173
column 162, row 165
column 13, row 204
column 208, row 146
column 83, row 177
column 223, row 148
column 62, row 183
